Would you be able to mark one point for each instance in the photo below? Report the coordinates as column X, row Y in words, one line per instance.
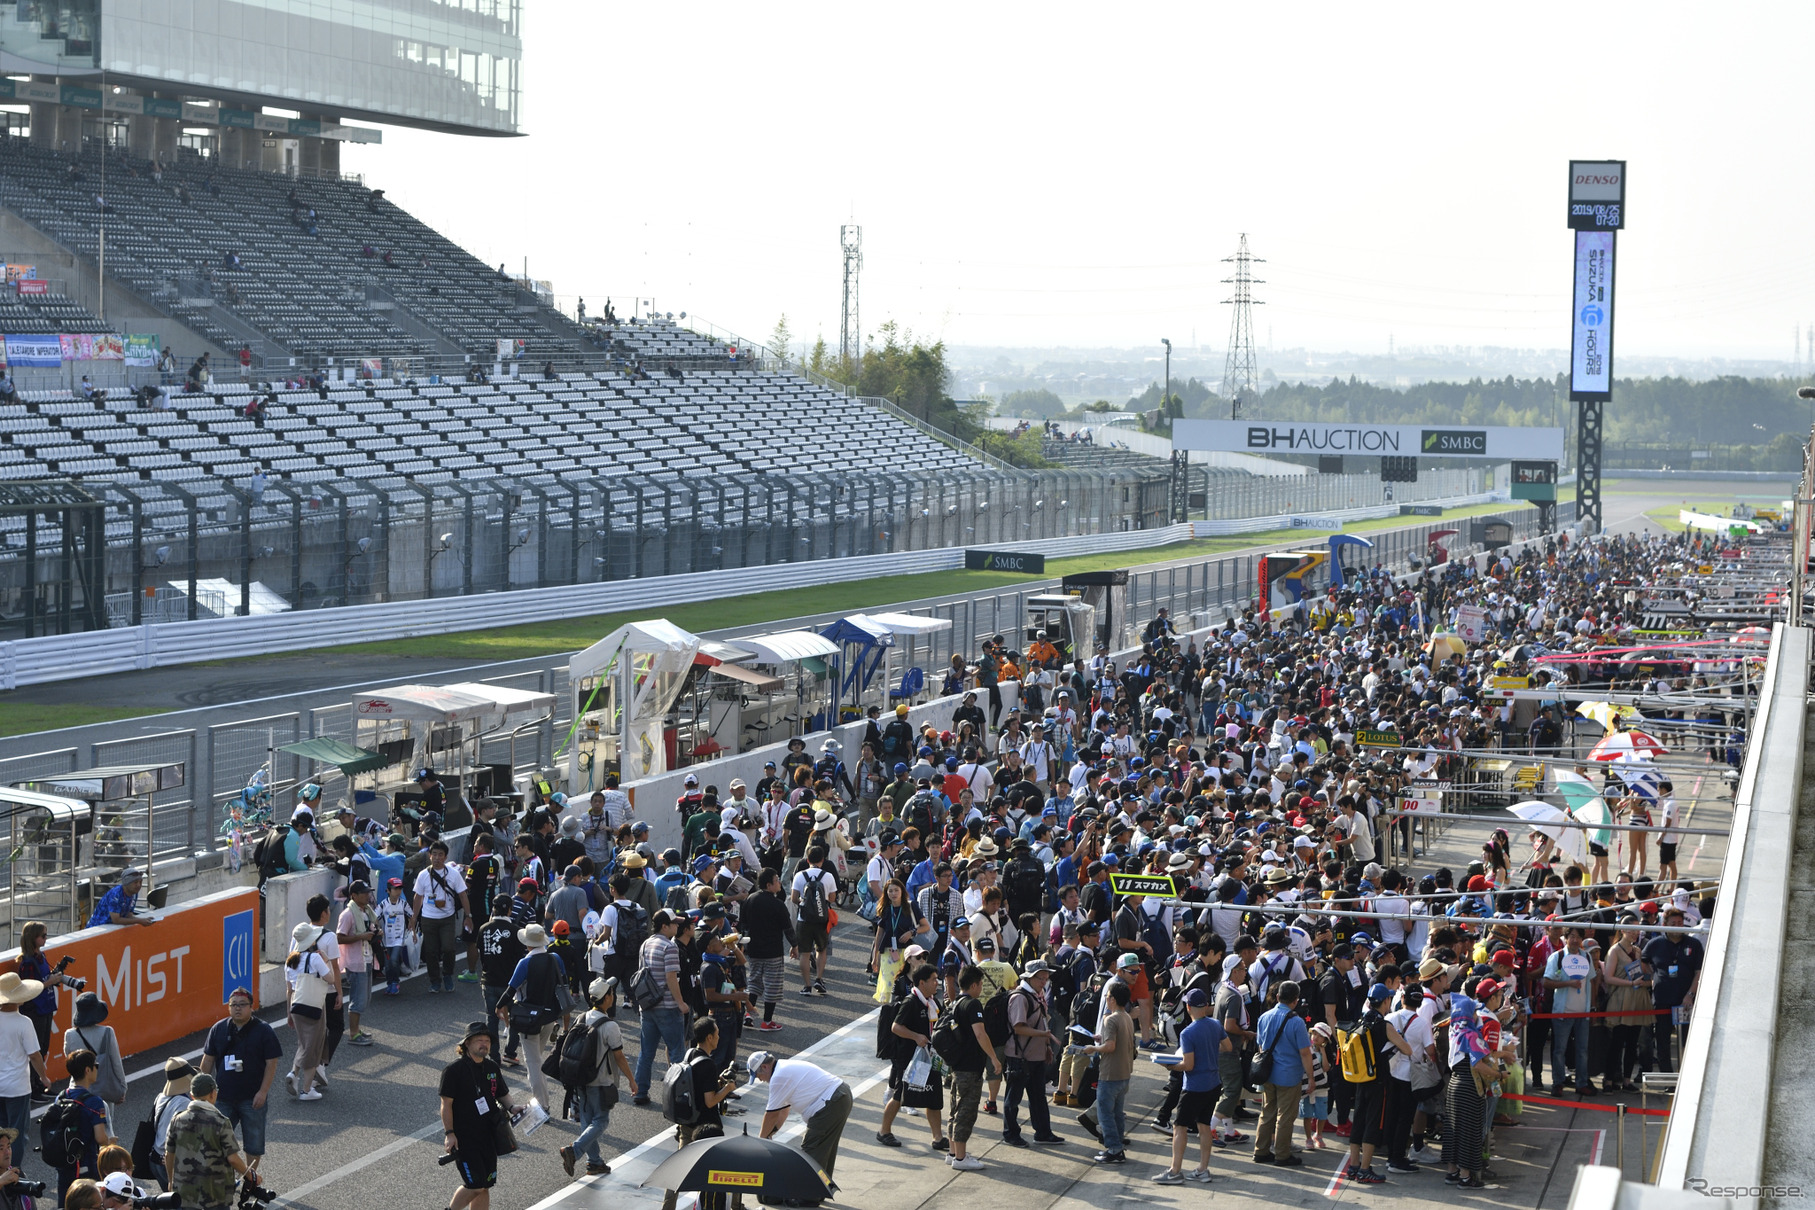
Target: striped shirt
column 663, row 957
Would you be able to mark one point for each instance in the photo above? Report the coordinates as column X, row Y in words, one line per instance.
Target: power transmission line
column 1241, row 369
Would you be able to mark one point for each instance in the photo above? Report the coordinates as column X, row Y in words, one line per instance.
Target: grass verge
column 18, row 718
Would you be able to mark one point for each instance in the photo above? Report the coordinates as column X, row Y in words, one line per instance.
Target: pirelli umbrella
column 743, row 1163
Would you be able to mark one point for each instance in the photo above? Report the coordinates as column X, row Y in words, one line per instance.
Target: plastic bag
column 887, row 968
column 919, row 1072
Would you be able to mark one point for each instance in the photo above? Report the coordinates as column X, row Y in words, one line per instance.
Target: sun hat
column 533, row 936
column 14, row 990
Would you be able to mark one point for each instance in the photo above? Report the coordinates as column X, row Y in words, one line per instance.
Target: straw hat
column 176, row 1070
column 14, row 990
column 533, row 936
column 985, row 848
column 824, row 820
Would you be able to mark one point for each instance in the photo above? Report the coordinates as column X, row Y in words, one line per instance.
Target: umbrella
column 1538, row 814
column 742, row 1163
column 1614, row 743
column 1444, row 644
column 1586, row 805
column 1751, row 632
column 1605, row 712
column 1637, row 771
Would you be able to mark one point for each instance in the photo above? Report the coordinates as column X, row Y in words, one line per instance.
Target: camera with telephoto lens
column 159, row 1201
column 252, row 1196
column 29, row 1188
column 73, row 984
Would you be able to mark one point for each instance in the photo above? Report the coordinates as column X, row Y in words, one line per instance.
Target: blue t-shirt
column 1286, row 1041
column 1202, row 1040
column 115, row 902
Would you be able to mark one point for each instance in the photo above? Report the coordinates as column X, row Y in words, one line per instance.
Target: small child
column 394, row 915
column 1315, row 1108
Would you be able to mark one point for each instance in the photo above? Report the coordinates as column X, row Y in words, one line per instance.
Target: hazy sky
column 1073, row 174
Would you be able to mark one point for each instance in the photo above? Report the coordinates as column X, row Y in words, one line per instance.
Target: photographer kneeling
column 201, row 1155
column 14, row 1188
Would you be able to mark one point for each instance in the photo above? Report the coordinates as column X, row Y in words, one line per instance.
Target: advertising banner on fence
column 1384, row 440
column 21, row 272
column 32, row 349
column 109, row 347
column 142, row 350
column 31, row 285
column 165, row 980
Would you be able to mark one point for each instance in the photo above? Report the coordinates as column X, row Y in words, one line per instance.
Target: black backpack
column 581, row 1056
column 268, row 853
column 678, row 1103
column 1027, row 882
column 813, row 906
column 948, row 1037
column 60, row 1133
column 995, row 1018
column 631, row 930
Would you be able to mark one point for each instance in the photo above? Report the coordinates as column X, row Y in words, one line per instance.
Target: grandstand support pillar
column 142, row 135
column 166, row 132
column 1588, row 465
column 45, row 117
column 308, row 157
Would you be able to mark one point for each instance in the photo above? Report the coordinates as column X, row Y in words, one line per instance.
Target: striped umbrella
column 1586, row 805
column 1615, row 743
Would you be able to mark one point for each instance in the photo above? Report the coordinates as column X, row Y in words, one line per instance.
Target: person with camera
column 439, row 897
column 598, row 1096
column 201, row 1155
column 35, row 965
column 14, row 1188
column 241, row 1055
column 475, row 1117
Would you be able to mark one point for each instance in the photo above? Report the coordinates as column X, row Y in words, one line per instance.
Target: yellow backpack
column 1356, row 1048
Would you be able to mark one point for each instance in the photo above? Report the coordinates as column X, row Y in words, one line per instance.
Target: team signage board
column 1591, row 342
column 1597, row 195
column 1005, row 560
column 1376, row 739
column 1420, row 510
column 1143, row 884
column 1314, row 523
column 1425, row 798
column 1383, row 440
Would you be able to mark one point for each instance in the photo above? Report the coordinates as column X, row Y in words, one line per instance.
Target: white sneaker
column 321, row 1076
column 314, row 1094
column 969, row 1163
column 290, row 1081
column 1427, row 1156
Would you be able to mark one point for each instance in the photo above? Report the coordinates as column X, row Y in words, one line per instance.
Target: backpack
column 995, row 1018
column 60, row 1132
column 678, row 1103
column 1356, row 1048
column 1027, row 882
column 631, row 930
column 813, row 907
column 948, row 1038
column 268, row 852
column 1064, row 986
column 579, row 1067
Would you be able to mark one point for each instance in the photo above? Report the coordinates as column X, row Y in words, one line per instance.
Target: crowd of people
column 1303, row 983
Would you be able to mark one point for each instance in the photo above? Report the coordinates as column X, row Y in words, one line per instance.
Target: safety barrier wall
column 162, row 981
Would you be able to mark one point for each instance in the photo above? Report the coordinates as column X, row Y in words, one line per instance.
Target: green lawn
column 18, row 718
column 567, row 634
column 1666, row 517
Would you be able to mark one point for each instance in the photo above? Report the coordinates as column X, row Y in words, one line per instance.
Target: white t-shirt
column 879, row 872
column 1391, row 910
column 18, row 1043
column 393, row 919
column 1667, row 818
column 794, row 1084
column 438, row 904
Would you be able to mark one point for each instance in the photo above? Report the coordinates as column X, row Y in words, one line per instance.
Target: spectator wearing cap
column 533, row 988
column 1204, row 1049
column 116, row 906
column 356, row 932
column 170, row 1101
column 1674, row 962
column 200, row 1153
column 395, row 921
column 1029, row 1053
column 662, row 1024
column 1377, row 1102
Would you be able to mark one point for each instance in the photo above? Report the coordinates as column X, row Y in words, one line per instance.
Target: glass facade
column 443, row 64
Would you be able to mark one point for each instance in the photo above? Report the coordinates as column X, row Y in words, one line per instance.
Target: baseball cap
column 1504, row 958
column 399, row 882
column 1485, row 990
column 1127, row 960
column 1195, row 998
column 1378, row 992
column 756, row 1062
column 120, row 1185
